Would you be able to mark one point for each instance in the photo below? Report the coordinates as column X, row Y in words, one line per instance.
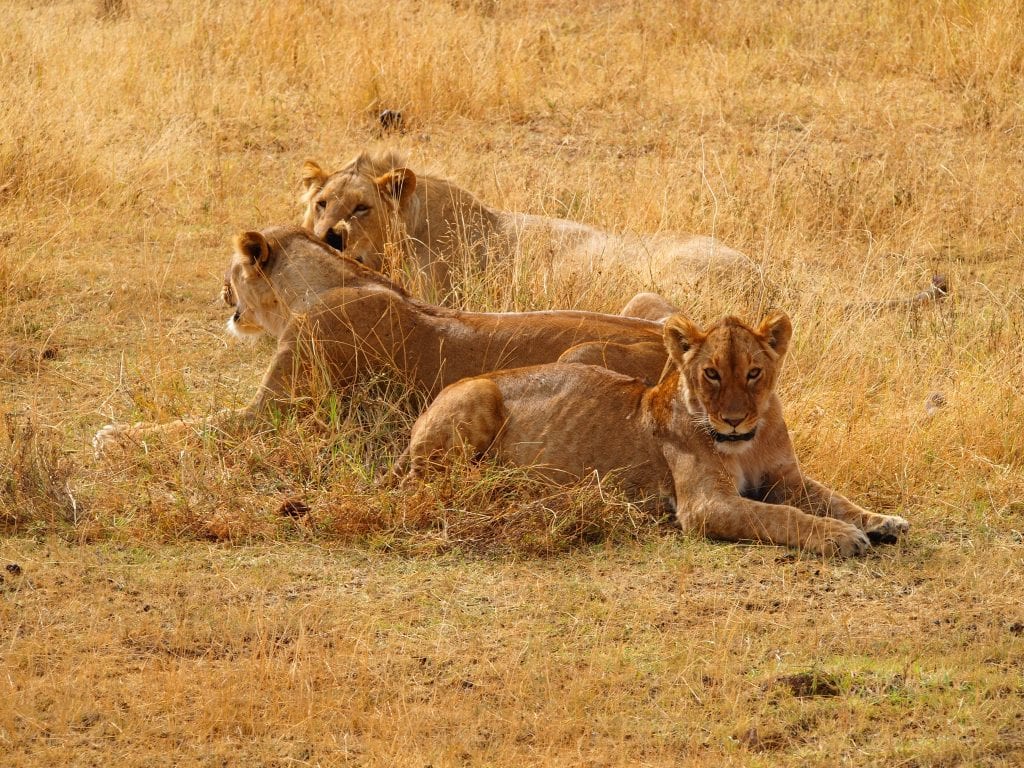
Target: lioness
column 376, row 207
column 649, row 306
column 334, row 316
column 709, row 437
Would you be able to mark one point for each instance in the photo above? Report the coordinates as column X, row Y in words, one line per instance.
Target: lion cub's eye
column 360, row 209
column 711, row 374
column 753, row 374
column 321, row 205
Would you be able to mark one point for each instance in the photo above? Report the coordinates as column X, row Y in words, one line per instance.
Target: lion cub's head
column 728, row 373
column 282, row 271
column 361, row 208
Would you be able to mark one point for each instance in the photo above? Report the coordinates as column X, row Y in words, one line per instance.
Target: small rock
column 1017, row 628
column 934, row 402
column 391, row 120
column 294, row 508
column 14, row 569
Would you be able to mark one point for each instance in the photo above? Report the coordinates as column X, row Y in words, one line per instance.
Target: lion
column 709, row 438
column 377, row 209
column 649, row 306
column 337, row 318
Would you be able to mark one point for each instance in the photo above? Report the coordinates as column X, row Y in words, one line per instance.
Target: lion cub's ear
column 681, row 335
column 313, row 178
column 397, row 184
column 254, row 246
column 777, row 330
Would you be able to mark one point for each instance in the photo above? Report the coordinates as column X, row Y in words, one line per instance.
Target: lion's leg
column 707, row 504
column 399, row 470
column 817, row 499
column 466, row 418
column 276, row 392
column 740, row 519
column 138, row 433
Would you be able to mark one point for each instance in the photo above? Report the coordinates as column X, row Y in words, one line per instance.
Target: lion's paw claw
column 886, row 529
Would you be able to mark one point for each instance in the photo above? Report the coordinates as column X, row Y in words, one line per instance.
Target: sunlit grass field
column 261, row 600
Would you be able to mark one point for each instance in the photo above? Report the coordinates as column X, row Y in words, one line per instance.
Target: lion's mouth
column 335, row 239
column 722, row 437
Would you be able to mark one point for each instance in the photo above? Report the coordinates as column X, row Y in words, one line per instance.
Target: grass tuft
column 36, row 473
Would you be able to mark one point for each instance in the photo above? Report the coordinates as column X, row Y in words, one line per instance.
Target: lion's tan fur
column 338, row 319
column 650, row 306
column 384, row 211
column 568, row 420
column 435, row 230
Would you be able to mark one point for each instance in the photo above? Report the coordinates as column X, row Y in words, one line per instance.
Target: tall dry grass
column 853, row 150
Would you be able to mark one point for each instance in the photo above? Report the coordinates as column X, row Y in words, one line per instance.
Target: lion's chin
column 244, row 332
column 734, row 448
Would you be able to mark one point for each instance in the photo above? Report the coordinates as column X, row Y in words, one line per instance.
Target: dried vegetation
column 262, row 600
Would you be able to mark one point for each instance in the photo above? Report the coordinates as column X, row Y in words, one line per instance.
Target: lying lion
column 709, row 437
column 375, row 208
column 337, row 321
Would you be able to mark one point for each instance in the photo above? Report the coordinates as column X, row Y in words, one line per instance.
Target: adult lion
column 709, row 437
column 377, row 210
column 337, row 320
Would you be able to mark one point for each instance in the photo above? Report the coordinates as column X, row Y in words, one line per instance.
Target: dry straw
column 853, row 150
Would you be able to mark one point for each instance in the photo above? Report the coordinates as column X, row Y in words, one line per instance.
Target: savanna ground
column 259, row 601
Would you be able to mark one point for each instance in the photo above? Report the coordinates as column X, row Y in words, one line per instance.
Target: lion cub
column 709, row 437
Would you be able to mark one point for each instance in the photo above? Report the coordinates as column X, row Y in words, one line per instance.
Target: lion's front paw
column 885, row 529
column 845, row 540
column 111, row 436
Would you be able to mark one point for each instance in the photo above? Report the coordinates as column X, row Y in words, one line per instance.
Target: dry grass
column 852, row 150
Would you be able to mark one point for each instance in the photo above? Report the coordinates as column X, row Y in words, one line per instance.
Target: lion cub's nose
column 733, row 422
